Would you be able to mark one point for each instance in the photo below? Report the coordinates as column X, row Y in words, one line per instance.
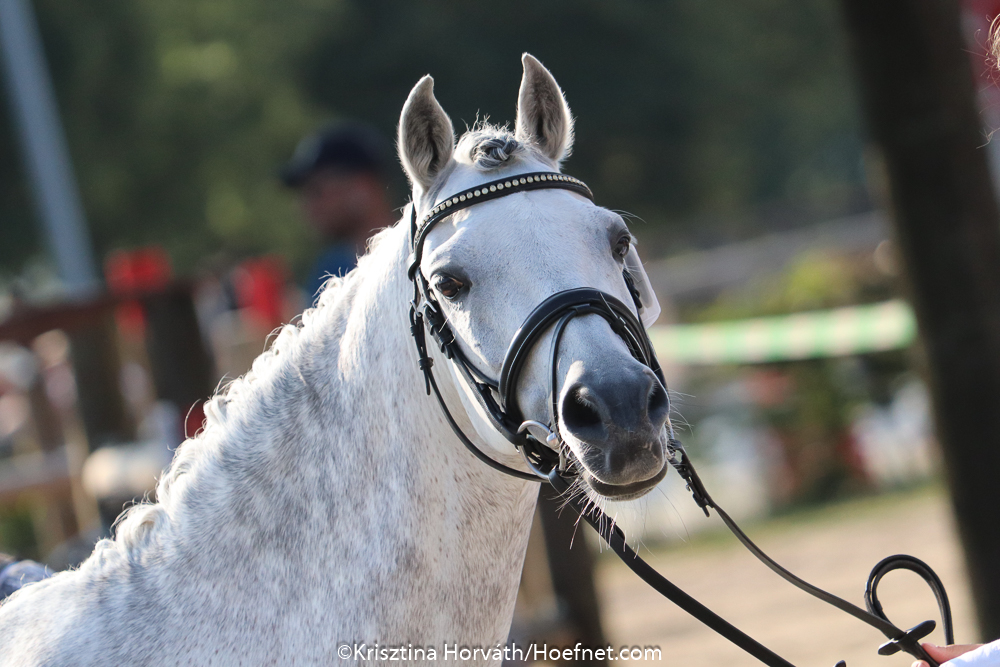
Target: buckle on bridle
column 547, row 461
column 551, row 438
column 424, row 362
column 439, row 328
column 678, row 458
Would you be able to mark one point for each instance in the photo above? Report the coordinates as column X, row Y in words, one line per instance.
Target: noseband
column 546, row 460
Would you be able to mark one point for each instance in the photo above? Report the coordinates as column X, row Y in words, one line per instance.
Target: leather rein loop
column 548, row 462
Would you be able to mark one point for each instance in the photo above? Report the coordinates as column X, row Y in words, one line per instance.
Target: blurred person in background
column 339, row 173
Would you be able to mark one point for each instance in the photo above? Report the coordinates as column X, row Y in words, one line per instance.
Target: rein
column 549, row 463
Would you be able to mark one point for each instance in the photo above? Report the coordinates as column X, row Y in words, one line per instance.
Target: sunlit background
column 730, row 133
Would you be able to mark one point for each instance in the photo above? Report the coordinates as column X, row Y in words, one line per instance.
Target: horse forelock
column 486, row 147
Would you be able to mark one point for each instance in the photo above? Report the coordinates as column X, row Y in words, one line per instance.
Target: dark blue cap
column 349, row 147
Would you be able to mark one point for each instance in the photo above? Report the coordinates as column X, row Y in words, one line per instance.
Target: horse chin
column 622, row 492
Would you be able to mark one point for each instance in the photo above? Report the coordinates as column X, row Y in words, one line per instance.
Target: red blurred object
column 977, row 17
column 133, row 272
column 770, row 388
column 194, row 420
column 260, row 285
column 987, row 10
column 141, row 270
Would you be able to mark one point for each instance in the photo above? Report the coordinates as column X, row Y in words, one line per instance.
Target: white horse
column 327, row 502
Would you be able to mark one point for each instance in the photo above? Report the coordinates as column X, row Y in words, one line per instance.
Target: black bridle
column 498, row 398
column 548, row 461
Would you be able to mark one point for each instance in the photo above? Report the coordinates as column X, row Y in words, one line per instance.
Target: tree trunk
column 919, row 98
column 180, row 362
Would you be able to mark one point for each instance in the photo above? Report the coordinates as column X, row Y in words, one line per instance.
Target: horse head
column 487, row 267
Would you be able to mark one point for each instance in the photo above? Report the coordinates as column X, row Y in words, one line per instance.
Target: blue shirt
column 336, row 260
column 20, row 573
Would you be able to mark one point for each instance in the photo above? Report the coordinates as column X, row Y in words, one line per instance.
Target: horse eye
column 448, row 286
column 622, row 247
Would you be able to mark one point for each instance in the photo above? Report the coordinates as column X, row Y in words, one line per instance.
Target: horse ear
column 543, row 116
column 426, row 136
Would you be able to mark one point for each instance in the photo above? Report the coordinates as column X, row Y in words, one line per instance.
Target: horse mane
column 486, row 147
column 138, row 523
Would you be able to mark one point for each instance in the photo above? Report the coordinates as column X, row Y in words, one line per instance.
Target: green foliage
column 179, row 113
column 17, row 532
column 683, row 107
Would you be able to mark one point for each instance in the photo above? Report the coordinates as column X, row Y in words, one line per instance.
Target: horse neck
column 332, row 446
column 384, row 404
column 384, row 416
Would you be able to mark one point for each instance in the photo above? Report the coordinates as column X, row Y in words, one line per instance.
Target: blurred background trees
column 707, row 121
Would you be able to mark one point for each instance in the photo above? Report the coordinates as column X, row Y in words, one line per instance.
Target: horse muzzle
column 615, row 424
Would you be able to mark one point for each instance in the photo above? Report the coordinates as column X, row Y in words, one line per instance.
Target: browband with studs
column 502, row 187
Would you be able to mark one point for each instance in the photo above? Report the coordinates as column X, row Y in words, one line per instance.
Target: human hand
column 944, row 653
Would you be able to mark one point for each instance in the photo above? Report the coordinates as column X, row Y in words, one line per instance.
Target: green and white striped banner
column 827, row 333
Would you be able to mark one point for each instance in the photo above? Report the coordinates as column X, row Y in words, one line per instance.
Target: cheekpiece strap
column 502, row 187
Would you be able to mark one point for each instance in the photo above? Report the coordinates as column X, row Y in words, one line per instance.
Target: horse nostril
column 578, row 413
column 659, row 404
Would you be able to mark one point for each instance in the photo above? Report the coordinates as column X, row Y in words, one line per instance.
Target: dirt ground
column 834, row 548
